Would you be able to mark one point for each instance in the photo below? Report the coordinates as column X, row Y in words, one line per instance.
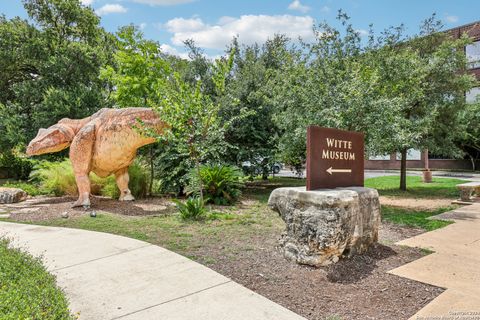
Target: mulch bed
column 356, row 288
column 46, row 208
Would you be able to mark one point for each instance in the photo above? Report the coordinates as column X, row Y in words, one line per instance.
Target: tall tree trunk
column 197, row 165
column 150, row 187
column 403, row 170
column 472, row 161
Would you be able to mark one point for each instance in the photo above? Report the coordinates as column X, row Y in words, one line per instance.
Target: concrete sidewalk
column 454, row 265
column 112, row 277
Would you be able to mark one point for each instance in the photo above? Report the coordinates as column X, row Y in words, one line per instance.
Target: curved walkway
column 112, row 277
column 455, row 265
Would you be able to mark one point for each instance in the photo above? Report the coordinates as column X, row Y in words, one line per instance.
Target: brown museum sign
column 334, row 158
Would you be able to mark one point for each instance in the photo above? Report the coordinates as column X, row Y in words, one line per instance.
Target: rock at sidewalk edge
column 12, row 195
column 323, row 225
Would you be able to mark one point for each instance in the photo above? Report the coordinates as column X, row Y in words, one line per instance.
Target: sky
column 212, row 24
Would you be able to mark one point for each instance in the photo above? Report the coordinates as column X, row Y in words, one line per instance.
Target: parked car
column 257, row 168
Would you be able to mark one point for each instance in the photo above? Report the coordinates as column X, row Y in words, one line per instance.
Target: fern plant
column 221, row 183
column 57, row 178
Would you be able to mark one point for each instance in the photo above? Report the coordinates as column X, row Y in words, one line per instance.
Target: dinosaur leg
column 122, row 182
column 81, row 155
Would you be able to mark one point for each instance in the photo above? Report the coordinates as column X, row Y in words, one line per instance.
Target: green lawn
column 439, row 188
column 386, row 186
column 413, row 218
column 27, row 290
column 233, row 227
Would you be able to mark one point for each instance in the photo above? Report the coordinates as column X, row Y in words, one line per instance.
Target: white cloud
column 173, row 51
column 325, row 9
column 163, row 2
column 249, row 29
column 451, row 19
column 142, row 25
column 296, row 5
column 110, row 8
column 225, row 19
column 86, row 2
column 362, row 32
column 181, row 25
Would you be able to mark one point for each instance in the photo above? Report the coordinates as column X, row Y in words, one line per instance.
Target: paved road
column 112, row 277
column 380, row 173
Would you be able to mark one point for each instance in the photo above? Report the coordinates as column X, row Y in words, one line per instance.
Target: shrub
column 57, row 178
column 17, row 167
column 138, row 183
column 192, row 209
column 171, row 168
column 28, row 291
column 221, row 183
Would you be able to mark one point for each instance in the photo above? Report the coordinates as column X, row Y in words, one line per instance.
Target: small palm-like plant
column 192, row 209
column 221, row 183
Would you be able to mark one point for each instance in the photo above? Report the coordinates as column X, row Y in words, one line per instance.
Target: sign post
column 335, row 158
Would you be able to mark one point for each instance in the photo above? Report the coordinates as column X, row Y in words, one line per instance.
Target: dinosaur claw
column 83, row 201
column 128, row 197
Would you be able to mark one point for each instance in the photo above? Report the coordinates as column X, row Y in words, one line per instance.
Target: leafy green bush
column 18, row 167
column 221, row 183
column 29, row 188
column 57, row 178
column 192, row 209
column 138, row 183
column 171, row 168
column 28, row 291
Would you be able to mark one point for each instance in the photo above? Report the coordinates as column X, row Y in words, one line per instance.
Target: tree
column 470, row 142
column 50, row 66
column 253, row 138
column 138, row 64
column 328, row 83
column 402, row 92
column 143, row 76
column 425, row 74
column 193, row 116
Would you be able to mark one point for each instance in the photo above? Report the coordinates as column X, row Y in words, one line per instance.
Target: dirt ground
column 356, row 288
column 46, row 208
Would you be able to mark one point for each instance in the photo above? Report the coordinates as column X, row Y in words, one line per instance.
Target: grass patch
column 27, row 290
column 438, row 188
column 413, row 218
column 180, row 236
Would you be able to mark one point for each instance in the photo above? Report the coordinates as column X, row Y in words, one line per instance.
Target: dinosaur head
column 53, row 139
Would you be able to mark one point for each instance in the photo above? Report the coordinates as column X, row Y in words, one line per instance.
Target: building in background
column 415, row 158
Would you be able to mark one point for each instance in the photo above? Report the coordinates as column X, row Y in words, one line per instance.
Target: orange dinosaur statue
column 105, row 143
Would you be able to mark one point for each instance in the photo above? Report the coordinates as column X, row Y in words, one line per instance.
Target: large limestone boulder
column 12, row 195
column 323, row 225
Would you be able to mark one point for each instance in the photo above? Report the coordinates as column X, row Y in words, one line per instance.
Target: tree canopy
column 402, row 91
column 50, row 67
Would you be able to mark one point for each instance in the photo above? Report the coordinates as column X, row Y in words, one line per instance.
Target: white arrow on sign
column 331, row 171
